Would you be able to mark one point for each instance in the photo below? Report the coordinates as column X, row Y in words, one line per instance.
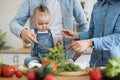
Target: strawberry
column 31, row 76
column 49, row 77
column 18, row 73
column 95, row 74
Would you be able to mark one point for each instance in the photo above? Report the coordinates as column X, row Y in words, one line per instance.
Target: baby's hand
column 59, row 42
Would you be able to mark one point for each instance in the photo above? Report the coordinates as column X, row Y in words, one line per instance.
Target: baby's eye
column 40, row 24
column 46, row 23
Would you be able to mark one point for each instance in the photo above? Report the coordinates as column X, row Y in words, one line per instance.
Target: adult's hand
column 28, row 36
column 81, row 45
column 69, row 34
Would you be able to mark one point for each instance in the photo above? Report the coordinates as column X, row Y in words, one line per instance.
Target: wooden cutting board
column 69, row 74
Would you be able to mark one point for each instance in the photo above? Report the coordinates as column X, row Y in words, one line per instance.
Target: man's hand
column 28, row 36
column 81, row 45
column 69, row 34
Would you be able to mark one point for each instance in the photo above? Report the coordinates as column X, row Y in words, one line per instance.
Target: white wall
column 8, row 9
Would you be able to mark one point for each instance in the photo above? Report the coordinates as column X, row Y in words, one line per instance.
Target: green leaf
column 2, row 41
column 113, row 67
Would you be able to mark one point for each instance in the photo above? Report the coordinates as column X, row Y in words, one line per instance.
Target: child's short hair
column 42, row 9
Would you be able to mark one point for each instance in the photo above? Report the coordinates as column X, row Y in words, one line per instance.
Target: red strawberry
column 49, row 77
column 31, row 76
column 95, row 74
column 18, row 73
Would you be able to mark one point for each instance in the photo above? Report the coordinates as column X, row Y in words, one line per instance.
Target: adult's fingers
column 32, row 38
column 28, row 40
column 66, row 33
column 73, row 44
column 75, row 47
column 78, row 51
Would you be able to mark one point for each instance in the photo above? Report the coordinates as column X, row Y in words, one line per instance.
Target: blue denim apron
column 45, row 43
column 42, row 48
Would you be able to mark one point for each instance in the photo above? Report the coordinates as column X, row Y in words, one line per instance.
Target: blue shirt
column 69, row 9
column 104, row 31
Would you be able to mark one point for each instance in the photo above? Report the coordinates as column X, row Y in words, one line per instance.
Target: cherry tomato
column 18, row 73
column 95, row 74
column 8, row 71
column 31, row 76
column 49, row 77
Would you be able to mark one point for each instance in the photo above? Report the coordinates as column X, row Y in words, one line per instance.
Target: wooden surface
column 21, row 50
column 57, row 78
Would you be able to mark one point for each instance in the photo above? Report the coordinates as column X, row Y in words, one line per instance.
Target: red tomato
column 49, row 77
column 8, row 71
column 95, row 74
column 31, row 76
column 18, row 73
column 0, row 71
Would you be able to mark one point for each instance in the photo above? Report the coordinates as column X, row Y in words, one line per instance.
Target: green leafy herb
column 113, row 67
column 57, row 54
column 2, row 41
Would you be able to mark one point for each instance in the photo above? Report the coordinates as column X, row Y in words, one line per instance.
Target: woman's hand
column 69, row 34
column 28, row 36
column 81, row 45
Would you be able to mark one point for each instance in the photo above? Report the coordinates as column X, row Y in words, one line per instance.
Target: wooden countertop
column 21, row 50
column 57, row 78
column 27, row 50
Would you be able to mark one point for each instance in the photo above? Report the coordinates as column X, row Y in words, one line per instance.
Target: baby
column 41, row 19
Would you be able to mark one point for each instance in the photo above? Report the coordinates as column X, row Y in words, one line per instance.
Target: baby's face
column 42, row 21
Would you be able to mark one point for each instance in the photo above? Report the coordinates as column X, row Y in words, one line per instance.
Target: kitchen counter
column 11, row 51
column 57, row 78
column 14, row 56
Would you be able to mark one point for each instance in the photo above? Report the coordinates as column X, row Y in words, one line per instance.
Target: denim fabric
column 104, row 31
column 69, row 8
column 45, row 42
column 40, row 49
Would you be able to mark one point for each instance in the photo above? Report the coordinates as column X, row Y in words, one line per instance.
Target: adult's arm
column 79, row 16
column 88, row 34
column 106, row 42
column 17, row 24
column 110, row 41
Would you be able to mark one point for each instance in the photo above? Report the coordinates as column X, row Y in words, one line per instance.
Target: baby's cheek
column 48, row 26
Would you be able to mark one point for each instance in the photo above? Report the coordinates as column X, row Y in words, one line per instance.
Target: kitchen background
column 8, row 9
